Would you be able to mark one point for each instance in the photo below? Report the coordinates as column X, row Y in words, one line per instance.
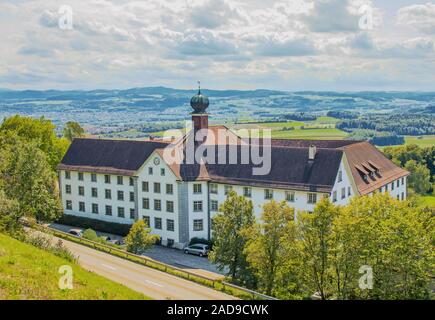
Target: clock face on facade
column 156, row 161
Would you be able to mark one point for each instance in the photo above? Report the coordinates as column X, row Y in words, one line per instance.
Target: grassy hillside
column 27, row 272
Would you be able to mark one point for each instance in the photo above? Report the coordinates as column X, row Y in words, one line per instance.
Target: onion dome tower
column 199, row 103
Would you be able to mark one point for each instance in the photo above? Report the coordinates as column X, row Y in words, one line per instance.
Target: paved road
column 153, row 283
column 174, row 257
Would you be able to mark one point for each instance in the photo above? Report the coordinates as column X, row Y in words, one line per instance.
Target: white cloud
column 418, row 16
column 172, row 42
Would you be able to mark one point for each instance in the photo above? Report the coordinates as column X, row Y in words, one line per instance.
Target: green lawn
column 421, row 141
column 27, row 272
column 310, row 134
column 426, row 200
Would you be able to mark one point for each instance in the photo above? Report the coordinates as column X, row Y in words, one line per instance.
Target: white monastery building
column 121, row 181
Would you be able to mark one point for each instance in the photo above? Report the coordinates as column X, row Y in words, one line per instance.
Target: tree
column 139, row 238
column 316, row 239
column 391, row 237
column 28, row 179
column 9, row 214
column 236, row 215
column 40, row 132
column 73, row 130
column 419, row 179
column 266, row 245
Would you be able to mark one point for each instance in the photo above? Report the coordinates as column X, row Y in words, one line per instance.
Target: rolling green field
column 27, row 272
column 421, row 141
column 321, row 129
column 426, row 200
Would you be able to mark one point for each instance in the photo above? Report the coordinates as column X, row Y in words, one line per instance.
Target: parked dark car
column 198, row 249
column 76, row 232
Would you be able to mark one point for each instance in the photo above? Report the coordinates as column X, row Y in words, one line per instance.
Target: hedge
column 98, row 225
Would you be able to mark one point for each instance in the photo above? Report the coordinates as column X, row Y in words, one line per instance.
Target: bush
column 103, row 226
column 43, row 242
column 90, row 235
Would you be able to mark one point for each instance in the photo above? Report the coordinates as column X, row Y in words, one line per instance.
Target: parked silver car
column 198, row 249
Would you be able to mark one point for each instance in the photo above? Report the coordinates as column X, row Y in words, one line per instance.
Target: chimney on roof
column 312, row 150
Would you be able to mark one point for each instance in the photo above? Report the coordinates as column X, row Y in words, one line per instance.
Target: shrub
column 90, row 235
column 44, row 242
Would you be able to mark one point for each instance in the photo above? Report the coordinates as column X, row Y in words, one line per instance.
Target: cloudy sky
column 343, row 45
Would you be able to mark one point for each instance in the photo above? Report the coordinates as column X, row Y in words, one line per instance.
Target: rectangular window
column 169, row 206
column 145, row 203
column 349, row 191
column 392, row 186
column 290, row 196
column 146, row 219
column 94, row 192
column 108, row 194
column 95, row 208
column 334, row 196
column 81, row 191
column 121, row 212
column 145, row 186
column 403, row 196
column 158, row 223
column 82, row 207
column 106, row 178
column 156, row 187
column 398, row 183
column 80, row 176
column 312, row 198
column 214, row 205
column 343, row 193
column 403, row 181
column 162, row 171
column 68, row 205
column 197, row 206
column 169, row 188
column 68, row 189
column 132, row 214
column 157, row 205
column 150, row 170
column 131, row 196
column 340, row 176
column 120, row 195
column 268, row 194
column 198, row 225
column 67, row 175
column 108, row 210
column 169, row 224
column 197, row 188
column 386, row 187
column 213, row 188
column 227, row 189
column 131, row 182
column 120, row 180
column 93, row 177
column 247, row 192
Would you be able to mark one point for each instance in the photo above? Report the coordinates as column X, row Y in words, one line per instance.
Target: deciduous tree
column 235, row 215
column 139, row 238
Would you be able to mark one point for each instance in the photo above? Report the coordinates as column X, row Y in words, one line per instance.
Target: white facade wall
column 198, row 215
column 343, row 182
column 100, row 200
column 163, row 214
column 396, row 188
column 300, row 202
